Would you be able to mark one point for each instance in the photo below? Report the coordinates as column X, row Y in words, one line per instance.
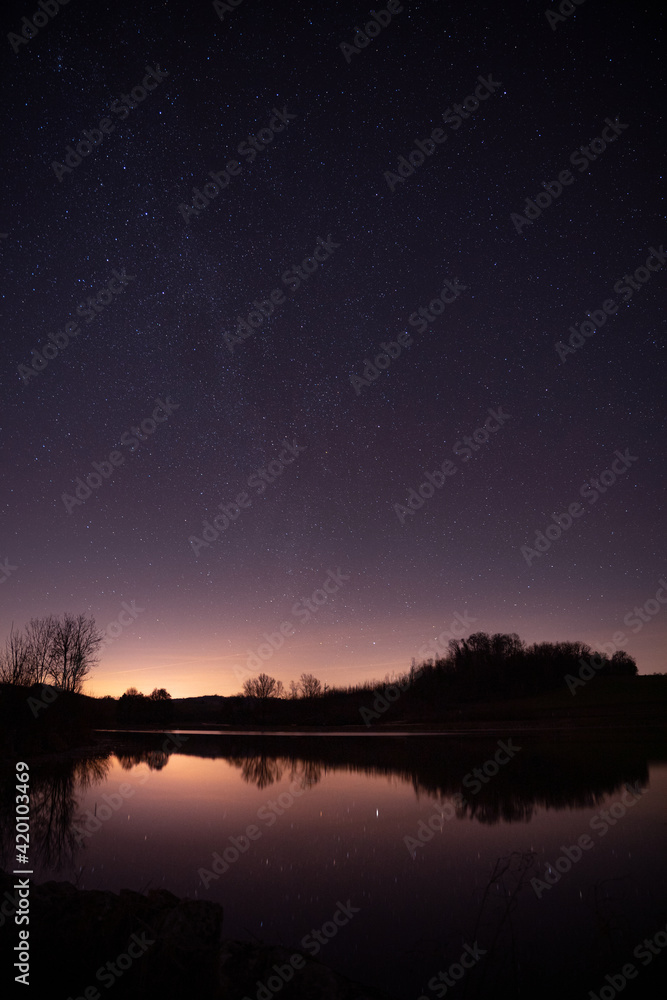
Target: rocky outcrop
column 152, row 945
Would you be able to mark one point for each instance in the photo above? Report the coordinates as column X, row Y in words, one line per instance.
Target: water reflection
column 263, row 771
column 56, row 790
column 555, row 774
column 155, row 759
column 54, row 795
column 511, row 875
column 468, row 883
column 559, row 775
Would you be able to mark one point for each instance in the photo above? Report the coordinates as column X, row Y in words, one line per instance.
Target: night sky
column 175, row 270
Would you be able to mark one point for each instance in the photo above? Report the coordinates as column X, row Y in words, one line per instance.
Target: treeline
column 488, row 666
column 56, row 650
column 263, row 686
column 137, row 708
column 50, row 659
column 481, row 667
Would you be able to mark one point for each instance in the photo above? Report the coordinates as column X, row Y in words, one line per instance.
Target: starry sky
column 171, row 273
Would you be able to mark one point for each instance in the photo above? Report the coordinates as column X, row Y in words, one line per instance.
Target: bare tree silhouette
column 310, row 686
column 76, row 642
column 263, row 686
column 15, row 660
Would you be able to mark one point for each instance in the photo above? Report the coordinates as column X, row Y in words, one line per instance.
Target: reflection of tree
column 517, row 802
column 309, row 774
column 494, row 927
column 510, row 809
column 53, row 803
column 155, row 759
column 91, row 771
column 543, row 775
column 52, row 806
column 129, row 760
column 263, row 771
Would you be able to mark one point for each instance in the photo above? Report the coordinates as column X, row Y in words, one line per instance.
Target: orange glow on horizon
column 338, row 656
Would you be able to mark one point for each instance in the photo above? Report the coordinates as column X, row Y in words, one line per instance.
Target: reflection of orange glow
column 208, row 800
column 188, row 777
column 351, row 837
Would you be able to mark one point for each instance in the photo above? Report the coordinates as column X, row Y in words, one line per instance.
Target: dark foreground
column 338, row 816
column 156, row 945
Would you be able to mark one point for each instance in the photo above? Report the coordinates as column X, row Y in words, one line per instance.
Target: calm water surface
column 330, row 818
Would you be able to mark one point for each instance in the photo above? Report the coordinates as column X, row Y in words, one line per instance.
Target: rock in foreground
column 83, row 942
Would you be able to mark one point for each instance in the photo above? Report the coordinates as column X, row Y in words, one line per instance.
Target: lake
column 421, row 865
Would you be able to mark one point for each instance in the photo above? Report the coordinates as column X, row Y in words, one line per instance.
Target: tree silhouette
column 263, row 686
column 75, row 645
column 310, row 686
column 622, row 664
column 15, row 660
column 491, row 665
column 132, row 692
column 159, row 694
column 62, row 649
column 40, row 633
